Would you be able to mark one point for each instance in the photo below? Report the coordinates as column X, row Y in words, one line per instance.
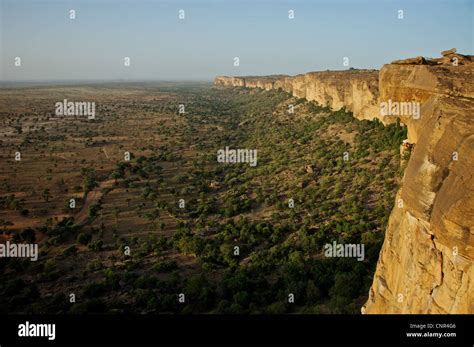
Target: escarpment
column 426, row 261
column 356, row 90
column 425, row 265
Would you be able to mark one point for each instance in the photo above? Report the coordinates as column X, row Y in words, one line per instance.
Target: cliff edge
column 356, row 90
column 426, row 261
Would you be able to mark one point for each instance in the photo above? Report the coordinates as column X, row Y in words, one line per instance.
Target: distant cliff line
column 356, row 90
column 426, row 261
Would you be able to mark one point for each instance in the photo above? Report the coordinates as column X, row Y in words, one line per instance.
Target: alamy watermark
column 37, row 330
column 20, row 250
column 348, row 250
column 237, row 156
column 404, row 108
column 77, row 108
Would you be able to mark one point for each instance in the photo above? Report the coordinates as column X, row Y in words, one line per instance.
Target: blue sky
column 163, row 47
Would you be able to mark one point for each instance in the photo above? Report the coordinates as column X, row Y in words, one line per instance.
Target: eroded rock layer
column 425, row 265
column 426, row 262
column 356, row 90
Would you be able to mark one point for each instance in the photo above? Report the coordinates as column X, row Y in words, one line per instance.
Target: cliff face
column 426, row 262
column 356, row 90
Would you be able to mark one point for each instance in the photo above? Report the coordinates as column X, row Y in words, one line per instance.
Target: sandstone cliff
column 426, row 262
column 356, row 90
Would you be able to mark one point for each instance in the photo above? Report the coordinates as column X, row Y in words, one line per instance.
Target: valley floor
column 174, row 230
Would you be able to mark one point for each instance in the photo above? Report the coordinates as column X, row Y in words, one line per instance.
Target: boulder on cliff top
column 411, row 61
column 449, row 57
column 448, row 52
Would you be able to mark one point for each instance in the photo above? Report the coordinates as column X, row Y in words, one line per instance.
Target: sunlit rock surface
column 426, row 262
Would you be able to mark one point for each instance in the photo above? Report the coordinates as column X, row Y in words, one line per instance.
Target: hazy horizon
column 162, row 47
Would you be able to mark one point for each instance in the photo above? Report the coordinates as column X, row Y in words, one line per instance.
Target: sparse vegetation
column 233, row 245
